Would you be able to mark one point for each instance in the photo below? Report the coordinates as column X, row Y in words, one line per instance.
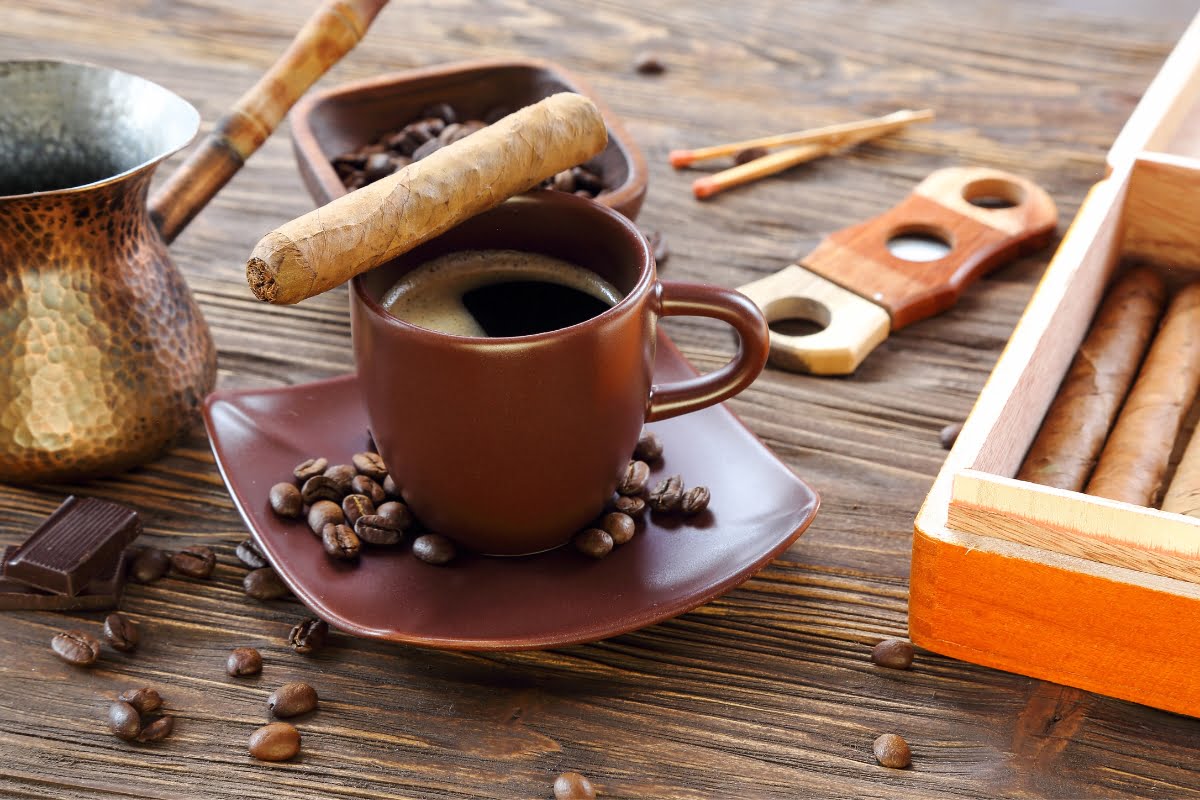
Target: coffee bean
column 368, row 487
column 308, row 635
column 573, row 786
column 949, row 435
column 893, row 654
column 243, row 661
column 285, row 500
column 647, row 63
column 322, row 513
column 587, row 180
column 157, row 730
column 278, row 741
column 648, row 447
column 355, row 506
column 264, row 584
column 321, row 488
column 379, row 165
column 341, row 475
column 433, row 548
column 397, row 512
column 749, row 154
column 892, row 751
column 593, row 542
column 144, row 699
column 194, row 562
column 695, row 500
column 443, row 111
column 378, row 529
column 634, row 480
column 564, row 181
column 633, row 506
column 371, row 465
column 251, row 555
column 310, row 469
column 658, row 246
column 292, row 699
column 667, row 495
column 340, row 542
column 620, row 527
column 149, row 565
column 432, row 146
column 124, row 721
column 76, row 647
column 121, row 632
column 390, row 488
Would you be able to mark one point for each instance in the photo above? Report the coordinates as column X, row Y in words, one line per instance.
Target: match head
column 681, row 158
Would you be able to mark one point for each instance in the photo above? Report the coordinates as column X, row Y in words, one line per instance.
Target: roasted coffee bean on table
column 121, row 632
column 369, row 488
column 310, row 469
column 648, row 447
column 341, row 475
column 573, row 786
column 378, row 529
column 694, row 500
column 593, row 542
column 278, row 741
column 292, row 699
column 157, row 730
column 620, row 527
column 397, row 512
column 341, row 542
column 144, row 699
column 149, row 565
column 355, row 506
column 321, row 487
column 390, row 488
column 249, row 553
column 433, row 548
column 285, row 500
column 308, row 635
column 370, row 464
column 667, row 495
column 322, row 513
column 194, row 562
column 893, row 653
column 634, row 479
column 76, row 647
column 948, row 435
column 892, row 751
column 264, row 584
column 633, row 506
column 124, row 721
column 243, row 661
column 648, row 63
column 749, row 154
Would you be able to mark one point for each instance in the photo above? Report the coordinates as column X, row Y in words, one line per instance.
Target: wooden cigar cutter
column 855, row 287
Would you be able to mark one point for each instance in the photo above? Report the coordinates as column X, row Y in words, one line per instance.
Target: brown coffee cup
column 511, row 445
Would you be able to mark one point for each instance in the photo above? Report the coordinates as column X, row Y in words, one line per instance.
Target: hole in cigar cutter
column 797, row 316
column 993, row 193
column 919, row 243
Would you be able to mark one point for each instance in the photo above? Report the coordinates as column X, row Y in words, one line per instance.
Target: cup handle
column 697, row 300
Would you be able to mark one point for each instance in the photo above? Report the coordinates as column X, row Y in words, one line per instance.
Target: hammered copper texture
column 106, row 356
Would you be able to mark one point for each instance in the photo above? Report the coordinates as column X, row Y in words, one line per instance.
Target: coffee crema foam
column 431, row 295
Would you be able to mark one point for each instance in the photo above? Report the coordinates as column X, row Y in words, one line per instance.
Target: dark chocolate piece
column 103, row 592
column 81, row 539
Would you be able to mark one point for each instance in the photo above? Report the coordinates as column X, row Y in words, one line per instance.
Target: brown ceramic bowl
column 327, row 124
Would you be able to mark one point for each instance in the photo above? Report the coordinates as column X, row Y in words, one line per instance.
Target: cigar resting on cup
column 366, row 228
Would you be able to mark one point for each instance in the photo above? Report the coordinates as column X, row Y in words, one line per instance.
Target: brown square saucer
column 561, row 597
column 326, row 124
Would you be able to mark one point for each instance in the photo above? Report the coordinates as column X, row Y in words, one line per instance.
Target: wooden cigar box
column 1057, row 585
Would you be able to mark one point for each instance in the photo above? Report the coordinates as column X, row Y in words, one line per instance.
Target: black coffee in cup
column 499, row 293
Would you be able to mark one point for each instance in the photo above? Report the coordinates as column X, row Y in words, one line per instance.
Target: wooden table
column 766, row 692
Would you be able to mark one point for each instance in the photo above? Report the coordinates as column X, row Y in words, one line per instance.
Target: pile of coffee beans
column 149, row 564
column 133, row 717
column 83, row 649
column 669, row 496
column 278, row 741
column 436, row 127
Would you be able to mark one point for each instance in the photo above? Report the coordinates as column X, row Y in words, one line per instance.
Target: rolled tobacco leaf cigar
column 1136, row 455
column 363, row 229
column 1073, row 433
column 1183, row 495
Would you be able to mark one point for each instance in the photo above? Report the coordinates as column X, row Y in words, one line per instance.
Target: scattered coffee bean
column 321, row 488
column 379, row 165
column 249, row 553
column 308, row 635
column 433, row 548
column 341, row 475
column 278, row 741
column 371, row 465
column 310, row 469
column 695, row 500
column 292, row 699
column 443, row 111
column 322, row 513
column 648, row 64
column 564, row 181
column 157, row 730
column 390, row 488
column 149, row 565
column 949, row 435
column 355, row 506
column 243, row 661
column 369, row 488
column 648, row 447
column 573, row 786
column 397, row 512
column 594, row 542
column 76, row 647
column 378, row 529
column 667, row 495
column 620, row 527
column 121, row 632
column 431, row 146
column 124, row 721
column 892, row 751
column 144, row 699
column 634, row 481
column 286, row 500
column 341, row 542
column 749, row 154
column 658, row 246
column 893, row 654
column 194, row 562
column 633, row 506
column 264, row 584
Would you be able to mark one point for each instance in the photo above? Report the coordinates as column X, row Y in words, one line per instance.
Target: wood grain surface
column 767, row 692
